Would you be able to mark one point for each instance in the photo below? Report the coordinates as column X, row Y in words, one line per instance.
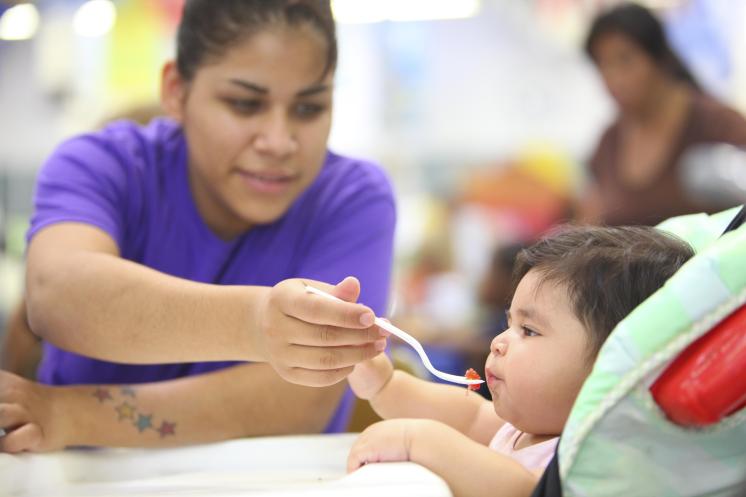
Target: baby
column 573, row 287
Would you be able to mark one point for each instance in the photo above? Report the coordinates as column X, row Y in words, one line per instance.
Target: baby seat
column 662, row 412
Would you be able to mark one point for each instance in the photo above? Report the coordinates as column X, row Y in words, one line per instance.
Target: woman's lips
column 272, row 184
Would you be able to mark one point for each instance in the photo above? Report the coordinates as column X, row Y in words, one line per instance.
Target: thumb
column 348, row 289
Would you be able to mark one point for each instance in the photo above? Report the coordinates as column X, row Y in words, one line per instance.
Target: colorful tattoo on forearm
column 124, row 402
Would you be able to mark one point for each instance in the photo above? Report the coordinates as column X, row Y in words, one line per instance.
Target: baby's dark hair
column 209, row 27
column 608, row 271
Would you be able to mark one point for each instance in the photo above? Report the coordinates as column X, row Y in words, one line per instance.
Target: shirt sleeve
column 357, row 236
column 86, row 181
column 722, row 124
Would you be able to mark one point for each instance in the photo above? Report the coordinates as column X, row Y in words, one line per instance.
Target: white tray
column 311, row 465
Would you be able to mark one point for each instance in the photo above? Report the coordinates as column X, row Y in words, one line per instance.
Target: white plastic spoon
column 411, row 341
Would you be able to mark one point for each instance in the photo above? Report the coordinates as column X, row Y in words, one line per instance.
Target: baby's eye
column 528, row 332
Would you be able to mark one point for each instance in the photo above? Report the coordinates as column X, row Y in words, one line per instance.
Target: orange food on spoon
column 472, row 375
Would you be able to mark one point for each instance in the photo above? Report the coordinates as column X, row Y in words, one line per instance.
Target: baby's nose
column 498, row 345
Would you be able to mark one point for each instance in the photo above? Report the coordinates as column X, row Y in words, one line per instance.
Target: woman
column 190, row 239
column 663, row 114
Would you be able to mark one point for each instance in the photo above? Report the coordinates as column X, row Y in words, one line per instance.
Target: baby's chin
column 519, row 421
column 501, row 412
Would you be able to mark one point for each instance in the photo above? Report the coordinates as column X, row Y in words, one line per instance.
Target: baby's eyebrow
column 530, row 314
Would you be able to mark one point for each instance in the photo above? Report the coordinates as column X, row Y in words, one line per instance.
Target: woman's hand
column 27, row 414
column 314, row 341
column 369, row 377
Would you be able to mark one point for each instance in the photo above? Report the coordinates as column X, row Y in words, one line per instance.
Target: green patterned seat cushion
column 617, row 441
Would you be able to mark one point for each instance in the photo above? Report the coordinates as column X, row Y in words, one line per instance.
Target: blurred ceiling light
column 19, row 22
column 664, row 4
column 367, row 11
column 95, row 18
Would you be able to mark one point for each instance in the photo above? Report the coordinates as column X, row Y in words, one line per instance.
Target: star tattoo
column 102, row 394
column 144, row 422
column 167, row 429
column 126, row 411
column 128, row 391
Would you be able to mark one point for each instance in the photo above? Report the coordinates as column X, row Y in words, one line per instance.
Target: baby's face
column 537, row 366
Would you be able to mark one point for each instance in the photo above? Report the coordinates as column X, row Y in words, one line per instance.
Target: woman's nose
column 276, row 137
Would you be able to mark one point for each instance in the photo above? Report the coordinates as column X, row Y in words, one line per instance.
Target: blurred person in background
column 154, row 248
column 496, row 287
column 648, row 165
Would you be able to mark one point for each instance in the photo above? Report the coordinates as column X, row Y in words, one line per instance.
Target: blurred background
column 484, row 113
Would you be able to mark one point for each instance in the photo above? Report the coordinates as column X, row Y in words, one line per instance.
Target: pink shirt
column 534, row 457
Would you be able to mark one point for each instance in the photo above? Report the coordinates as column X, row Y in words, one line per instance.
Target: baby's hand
column 385, row 441
column 369, row 377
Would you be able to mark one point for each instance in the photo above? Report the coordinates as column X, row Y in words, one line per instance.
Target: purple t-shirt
column 131, row 182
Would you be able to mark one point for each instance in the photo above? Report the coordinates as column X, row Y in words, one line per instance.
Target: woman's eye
column 245, row 106
column 306, row 110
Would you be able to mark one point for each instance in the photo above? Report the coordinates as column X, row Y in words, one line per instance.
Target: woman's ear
column 173, row 91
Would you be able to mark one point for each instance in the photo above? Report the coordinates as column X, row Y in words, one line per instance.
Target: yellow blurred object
column 534, row 190
column 549, row 166
column 135, row 57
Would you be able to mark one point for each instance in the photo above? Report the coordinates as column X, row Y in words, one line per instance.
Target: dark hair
column 209, row 27
column 642, row 27
column 608, row 271
column 503, row 258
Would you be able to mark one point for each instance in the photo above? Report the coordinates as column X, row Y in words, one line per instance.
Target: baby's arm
column 396, row 394
column 469, row 468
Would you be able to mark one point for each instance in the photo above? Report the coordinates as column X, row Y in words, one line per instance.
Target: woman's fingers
column 320, row 310
column 317, row 309
column 315, row 377
column 12, row 415
column 316, row 340
column 297, row 332
column 18, row 436
column 26, row 438
column 326, row 358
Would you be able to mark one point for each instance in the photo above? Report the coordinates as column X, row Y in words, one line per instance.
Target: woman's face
column 628, row 72
column 256, row 120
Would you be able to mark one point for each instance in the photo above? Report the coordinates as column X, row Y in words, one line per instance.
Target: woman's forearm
column 137, row 315
column 247, row 400
column 100, row 305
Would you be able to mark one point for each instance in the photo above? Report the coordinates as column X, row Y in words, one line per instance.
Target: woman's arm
column 77, row 286
column 241, row 401
column 20, row 350
column 469, row 468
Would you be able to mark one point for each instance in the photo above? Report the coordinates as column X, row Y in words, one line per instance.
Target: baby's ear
column 173, row 91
